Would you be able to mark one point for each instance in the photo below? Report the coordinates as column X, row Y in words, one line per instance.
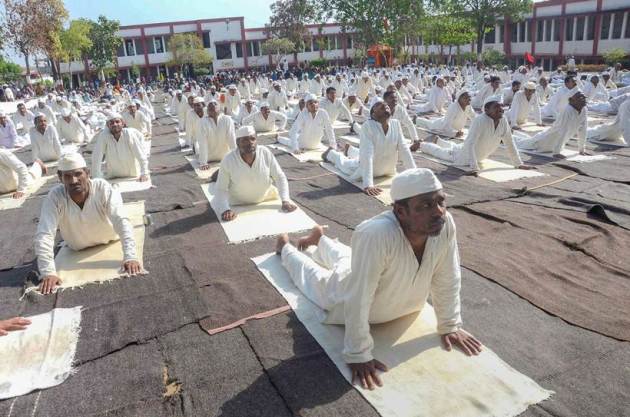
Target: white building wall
column 157, row 30
column 581, row 7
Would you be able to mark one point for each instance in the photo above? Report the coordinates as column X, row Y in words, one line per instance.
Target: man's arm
column 404, row 154
column 249, row 120
column 121, row 223
column 282, row 118
column 138, row 150
column 45, row 237
column 12, row 161
column 295, row 131
column 97, row 156
column 366, row 157
column 409, row 125
column 346, row 113
column 231, row 132
column 581, row 133
column 56, row 141
column 328, row 130
column 279, row 178
column 508, row 140
column 221, row 200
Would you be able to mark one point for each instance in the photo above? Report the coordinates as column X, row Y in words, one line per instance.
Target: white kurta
column 454, row 121
column 46, row 147
column 364, row 88
column 618, row 131
column 482, row 140
column 400, row 114
column 308, row 130
column 216, row 139
column 523, row 109
column 379, row 279
column 48, row 112
column 507, row 95
column 437, row 99
column 74, row 131
column 595, row 92
column 481, row 96
column 335, row 109
column 274, row 121
column 27, row 120
column 125, row 157
column 558, row 102
column 101, row 220
column 568, row 124
column 174, row 105
column 278, row 100
column 14, row 175
column 243, row 89
column 141, row 122
column 8, row 134
column 232, row 104
column 238, row 183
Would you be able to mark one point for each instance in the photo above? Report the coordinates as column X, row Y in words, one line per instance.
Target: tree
column 75, row 42
column 187, row 49
column 484, row 14
column 614, row 55
column 289, row 19
column 32, row 26
column 446, row 30
column 134, row 72
column 277, row 47
column 105, row 43
column 492, row 57
column 9, row 71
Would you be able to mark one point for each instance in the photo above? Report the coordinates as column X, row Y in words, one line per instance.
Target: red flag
column 530, row 58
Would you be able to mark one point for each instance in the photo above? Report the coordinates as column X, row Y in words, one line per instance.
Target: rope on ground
column 310, row 178
column 525, row 190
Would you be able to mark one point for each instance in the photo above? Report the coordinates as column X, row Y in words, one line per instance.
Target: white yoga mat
column 351, row 139
column 608, row 143
column 40, row 356
column 384, row 183
column 313, row 155
column 341, row 127
column 271, row 135
column 260, row 220
column 7, row 202
column 423, row 379
column 130, row 185
column 570, row 155
column 203, row 174
column 490, row 169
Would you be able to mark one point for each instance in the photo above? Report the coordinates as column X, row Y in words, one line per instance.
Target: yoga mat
column 130, row 185
column 40, row 356
column 201, row 173
column 260, row 220
column 7, row 202
column 491, row 170
column 353, row 140
column 423, row 379
column 312, row 155
column 384, row 183
column 608, row 143
column 271, row 135
column 340, row 127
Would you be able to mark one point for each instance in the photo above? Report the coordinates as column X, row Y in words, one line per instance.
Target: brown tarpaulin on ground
column 559, row 260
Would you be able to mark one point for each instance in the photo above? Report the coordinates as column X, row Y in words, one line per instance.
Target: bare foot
column 432, row 139
column 282, row 240
column 312, row 239
column 345, row 149
column 325, row 155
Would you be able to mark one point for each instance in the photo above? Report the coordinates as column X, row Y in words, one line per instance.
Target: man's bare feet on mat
column 282, row 240
column 345, row 149
column 325, row 154
column 431, row 139
column 312, row 239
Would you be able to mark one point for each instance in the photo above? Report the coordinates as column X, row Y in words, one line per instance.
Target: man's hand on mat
column 559, row 156
column 372, row 191
column 143, row 178
column 459, row 134
column 228, row 215
column 288, row 206
column 463, row 340
column 18, row 194
column 132, row 267
column 365, row 373
column 11, row 325
column 526, row 167
column 49, row 283
column 474, row 173
column 298, row 151
column 584, row 153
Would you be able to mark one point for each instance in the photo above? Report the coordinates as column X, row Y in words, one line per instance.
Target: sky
column 129, row 12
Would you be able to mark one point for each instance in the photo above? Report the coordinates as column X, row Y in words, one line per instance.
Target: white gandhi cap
column 245, row 131
column 491, row 99
column 70, row 161
column 311, row 97
column 414, row 182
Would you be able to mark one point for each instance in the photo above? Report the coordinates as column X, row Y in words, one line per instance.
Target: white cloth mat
column 423, row 379
column 8, row 202
column 41, row 355
column 260, row 220
column 313, row 155
column 203, row 174
column 384, row 183
column 570, row 155
column 130, row 185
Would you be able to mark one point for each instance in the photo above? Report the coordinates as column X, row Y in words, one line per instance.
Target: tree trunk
column 28, row 67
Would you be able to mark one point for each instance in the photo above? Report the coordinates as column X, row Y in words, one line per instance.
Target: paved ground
column 143, row 350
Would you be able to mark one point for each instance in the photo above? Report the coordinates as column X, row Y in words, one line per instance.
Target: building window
column 514, row 38
column 605, row 26
column 349, row 42
column 579, row 28
column 158, row 43
column 556, row 30
column 489, row 37
column 206, row 39
column 617, row 24
column 500, row 32
column 540, row 30
column 129, row 47
column 253, row 48
column 224, row 50
column 568, row 33
column 316, row 44
column 121, row 50
column 548, row 30
column 628, row 27
column 239, row 49
column 590, row 28
column 528, row 30
column 139, row 47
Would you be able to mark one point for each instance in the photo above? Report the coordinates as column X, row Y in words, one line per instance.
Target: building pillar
column 146, row 53
column 244, row 44
column 598, row 28
column 562, row 30
column 533, row 28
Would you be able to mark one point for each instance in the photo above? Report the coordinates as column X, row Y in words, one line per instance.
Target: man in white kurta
column 543, row 91
column 356, row 107
column 382, row 145
column 266, row 120
column 400, row 113
column 572, row 121
column 247, row 175
column 525, row 106
column 8, row 134
column 243, row 89
column 488, row 90
column 123, row 150
column 71, row 129
column 15, row 176
column 595, row 91
column 247, row 109
column 618, row 131
column 560, row 99
column 146, row 103
column 508, row 92
column 182, row 112
column 452, row 124
column 277, row 98
column 311, row 125
column 365, row 87
column 24, row 117
column 486, row 133
column 138, row 120
column 437, row 99
column 232, row 103
column 335, row 108
column 87, row 212
column 396, row 259
column 177, row 101
column 47, row 111
column 217, row 136
column 45, row 143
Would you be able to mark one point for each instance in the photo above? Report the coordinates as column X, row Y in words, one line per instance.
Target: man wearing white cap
column 304, row 84
column 365, row 87
column 24, row 117
column 277, row 98
column 266, row 120
column 395, row 261
column 311, row 125
column 525, row 105
column 146, row 103
column 398, row 111
column 381, row 146
column 595, row 91
column 616, row 132
column 560, row 99
column 247, row 175
column 436, row 99
column 243, row 89
column 491, row 88
column 216, row 135
column 71, row 129
column 47, row 111
column 572, row 121
column 508, row 92
column 452, row 124
column 123, row 150
column 87, row 212
column 137, row 119
column 8, row 133
column 340, row 85
column 194, row 121
column 486, row 133
column 317, row 86
column 175, row 103
column 15, row 176
column 335, row 107
column 232, row 101
column 247, row 109
column 45, row 143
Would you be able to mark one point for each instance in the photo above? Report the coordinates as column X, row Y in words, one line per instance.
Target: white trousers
column 320, row 277
column 443, row 149
column 606, row 132
column 346, row 164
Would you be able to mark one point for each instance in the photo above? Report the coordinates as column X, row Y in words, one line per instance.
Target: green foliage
column 289, row 19
column 48, row 83
column 277, row 47
column 9, row 71
column 105, row 42
column 201, row 71
column 492, row 57
column 614, row 55
column 76, row 41
column 134, row 71
column 187, row 48
column 318, row 63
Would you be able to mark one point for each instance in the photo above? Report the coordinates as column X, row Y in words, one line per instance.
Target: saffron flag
column 529, row 58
